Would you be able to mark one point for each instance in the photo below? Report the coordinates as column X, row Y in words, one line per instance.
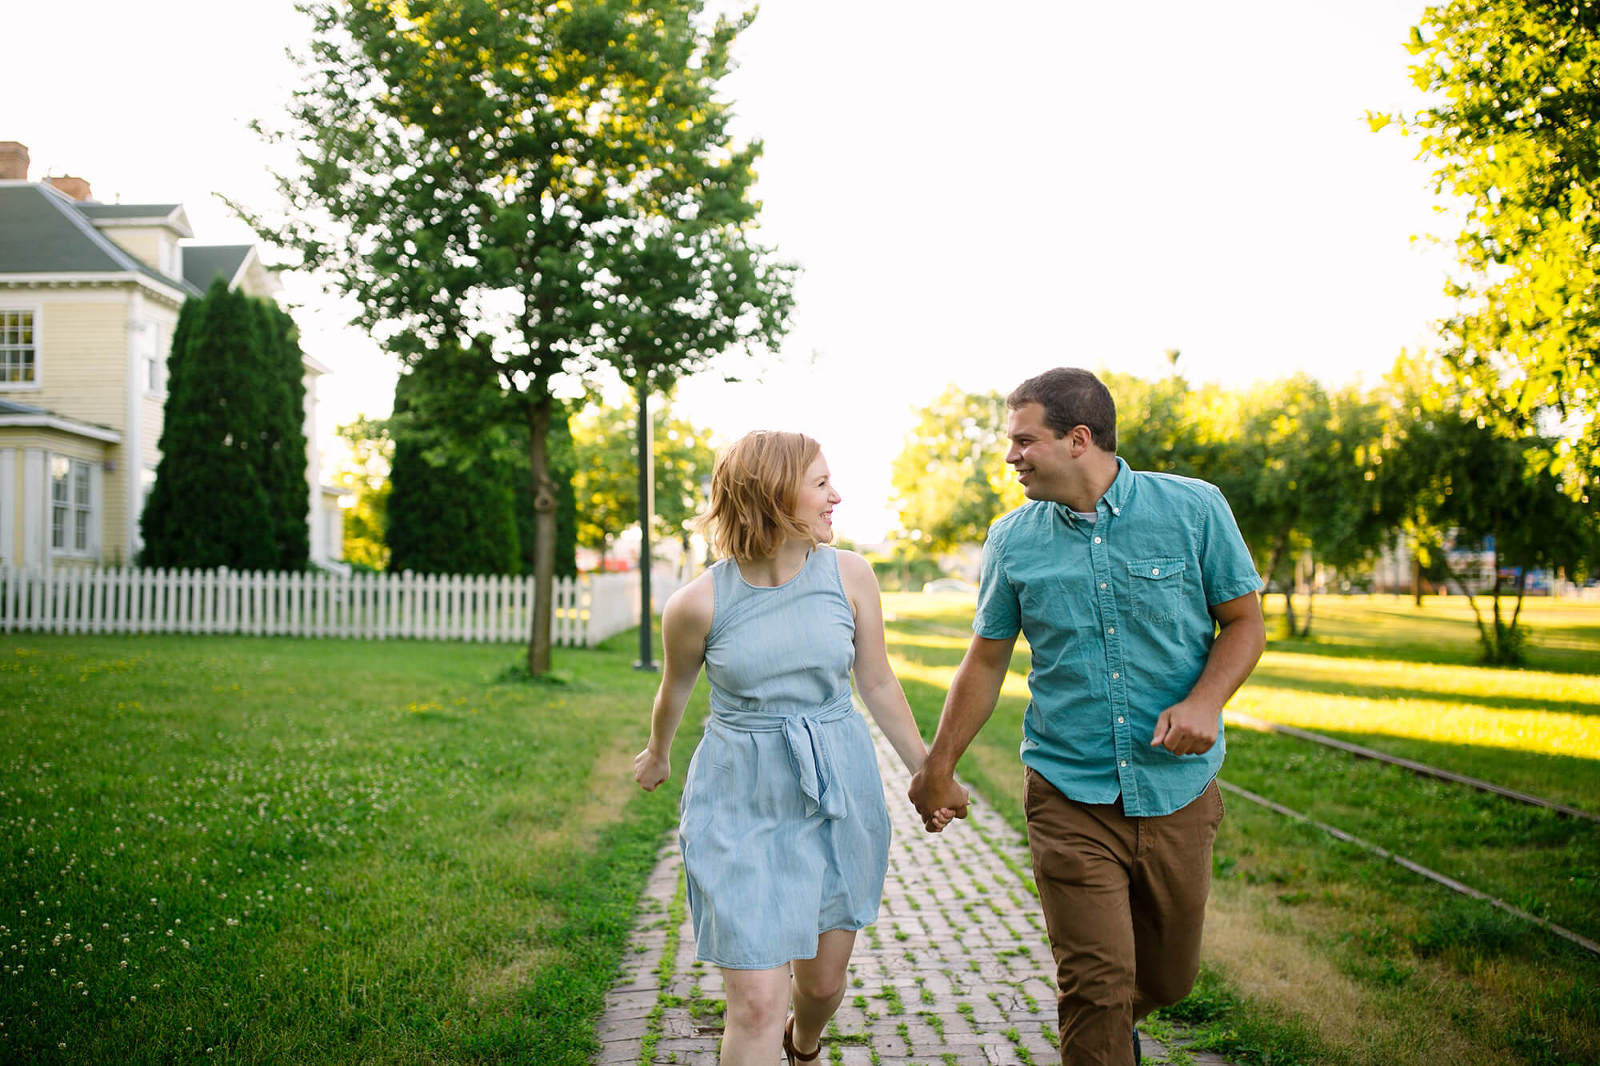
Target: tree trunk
column 1416, row 579
column 1311, row 599
column 1472, row 601
column 1272, row 568
column 544, row 536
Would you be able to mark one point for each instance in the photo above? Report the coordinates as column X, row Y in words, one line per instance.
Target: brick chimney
column 76, row 188
column 13, row 161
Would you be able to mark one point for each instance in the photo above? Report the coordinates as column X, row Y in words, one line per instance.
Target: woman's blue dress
column 784, row 830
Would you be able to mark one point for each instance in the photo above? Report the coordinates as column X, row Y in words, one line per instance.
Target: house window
column 18, row 357
column 70, row 506
column 152, row 354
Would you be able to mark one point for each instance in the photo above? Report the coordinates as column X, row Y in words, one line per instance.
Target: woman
column 784, row 832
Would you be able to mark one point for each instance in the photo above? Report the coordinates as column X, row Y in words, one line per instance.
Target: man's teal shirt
column 1116, row 612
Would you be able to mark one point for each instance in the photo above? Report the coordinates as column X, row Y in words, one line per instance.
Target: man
column 1139, row 601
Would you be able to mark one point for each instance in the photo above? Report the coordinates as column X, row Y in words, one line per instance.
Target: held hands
column 1186, row 729
column 937, row 798
column 650, row 769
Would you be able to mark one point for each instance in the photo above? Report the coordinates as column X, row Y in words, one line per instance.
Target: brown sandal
column 788, row 1045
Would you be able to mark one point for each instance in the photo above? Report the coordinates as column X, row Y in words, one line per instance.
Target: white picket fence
column 587, row 609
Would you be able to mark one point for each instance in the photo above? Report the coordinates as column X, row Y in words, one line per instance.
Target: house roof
column 203, row 263
column 169, row 215
column 98, row 210
column 21, row 414
column 45, row 232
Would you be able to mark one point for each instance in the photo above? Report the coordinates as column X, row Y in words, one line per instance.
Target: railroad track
column 1423, row 770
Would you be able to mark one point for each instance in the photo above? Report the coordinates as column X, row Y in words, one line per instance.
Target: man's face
column 1042, row 460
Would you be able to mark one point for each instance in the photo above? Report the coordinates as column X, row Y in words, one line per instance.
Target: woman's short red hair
column 755, row 488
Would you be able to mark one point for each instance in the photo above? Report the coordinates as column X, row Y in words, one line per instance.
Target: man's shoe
column 1138, row 1053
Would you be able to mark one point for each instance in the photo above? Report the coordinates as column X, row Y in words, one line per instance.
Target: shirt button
column 1154, row 570
column 1102, row 584
column 1123, row 763
column 1114, row 675
column 1119, row 719
column 1111, row 629
column 1097, row 540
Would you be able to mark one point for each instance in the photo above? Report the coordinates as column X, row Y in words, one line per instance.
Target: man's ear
column 1080, row 438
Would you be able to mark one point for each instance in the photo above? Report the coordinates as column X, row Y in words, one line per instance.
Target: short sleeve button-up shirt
column 1117, row 614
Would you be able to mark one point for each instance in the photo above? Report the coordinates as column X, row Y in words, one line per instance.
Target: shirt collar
column 1115, row 498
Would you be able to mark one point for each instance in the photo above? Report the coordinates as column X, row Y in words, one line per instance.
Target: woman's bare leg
column 753, row 1026
column 818, row 986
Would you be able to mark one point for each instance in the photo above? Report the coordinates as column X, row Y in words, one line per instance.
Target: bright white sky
column 975, row 192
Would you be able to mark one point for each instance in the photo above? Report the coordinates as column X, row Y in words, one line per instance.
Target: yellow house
column 89, row 298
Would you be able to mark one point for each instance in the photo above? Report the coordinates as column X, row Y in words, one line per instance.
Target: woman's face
column 814, row 505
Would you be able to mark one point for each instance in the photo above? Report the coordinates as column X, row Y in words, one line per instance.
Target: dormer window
column 171, row 263
column 19, row 356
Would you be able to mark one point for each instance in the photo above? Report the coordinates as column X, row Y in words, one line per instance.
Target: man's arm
column 967, row 707
column 1189, row 727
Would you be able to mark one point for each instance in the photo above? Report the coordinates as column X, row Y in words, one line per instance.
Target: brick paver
column 956, row 971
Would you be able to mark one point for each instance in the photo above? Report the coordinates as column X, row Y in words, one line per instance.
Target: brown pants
column 1124, row 900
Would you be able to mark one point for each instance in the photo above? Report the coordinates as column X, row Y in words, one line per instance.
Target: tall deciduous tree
column 495, row 170
column 1301, row 470
column 1515, row 133
column 950, row 477
column 209, row 506
column 1469, row 487
column 606, row 478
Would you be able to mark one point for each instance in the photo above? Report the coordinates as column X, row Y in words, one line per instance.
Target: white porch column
column 97, row 510
column 8, row 507
column 133, row 426
column 35, row 509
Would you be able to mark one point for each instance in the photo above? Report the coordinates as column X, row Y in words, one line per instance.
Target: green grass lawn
column 272, row 850
column 1318, row 952
column 289, row 851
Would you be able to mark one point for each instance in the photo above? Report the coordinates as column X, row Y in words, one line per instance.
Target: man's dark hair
column 1071, row 397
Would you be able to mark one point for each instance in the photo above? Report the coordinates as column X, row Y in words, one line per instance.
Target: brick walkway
column 956, row 972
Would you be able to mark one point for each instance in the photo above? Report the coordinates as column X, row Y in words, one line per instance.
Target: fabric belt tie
column 808, row 747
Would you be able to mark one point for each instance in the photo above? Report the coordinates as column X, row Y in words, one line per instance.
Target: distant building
column 89, row 298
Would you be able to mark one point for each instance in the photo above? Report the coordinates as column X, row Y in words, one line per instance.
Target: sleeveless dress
column 783, row 826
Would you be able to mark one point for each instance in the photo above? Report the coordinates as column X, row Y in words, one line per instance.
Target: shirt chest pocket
column 1156, row 587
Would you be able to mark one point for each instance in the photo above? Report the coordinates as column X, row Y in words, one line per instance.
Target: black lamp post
column 647, row 511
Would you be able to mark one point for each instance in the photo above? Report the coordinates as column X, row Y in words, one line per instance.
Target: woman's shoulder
column 850, row 562
column 693, row 604
column 855, row 573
